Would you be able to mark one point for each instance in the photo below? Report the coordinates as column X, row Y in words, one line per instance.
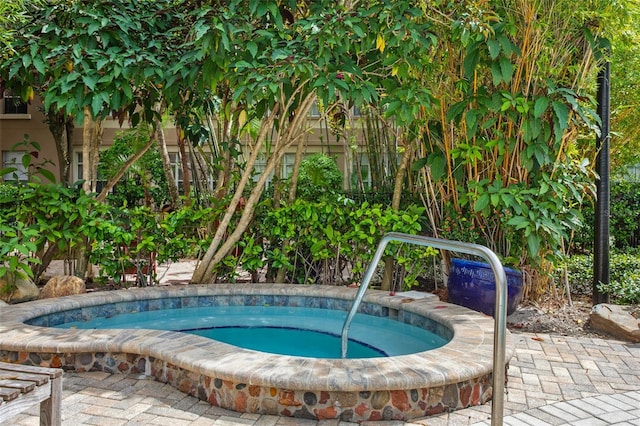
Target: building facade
column 22, row 123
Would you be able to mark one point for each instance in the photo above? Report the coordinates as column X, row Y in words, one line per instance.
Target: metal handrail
column 500, row 324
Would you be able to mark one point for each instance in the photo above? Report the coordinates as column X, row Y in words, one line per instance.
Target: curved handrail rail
column 500, row 324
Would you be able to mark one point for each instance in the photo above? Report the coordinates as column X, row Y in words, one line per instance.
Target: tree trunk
column 399, row 178
column 204, row 273
column 389, row 261
column 166, row 167
column 114, row 180
column 46, row 258
column 348, row 158
column 86, row 147
column 247, row 214
column 227, row 164
column 94, row 153
column 69, row 127
column 201, row 172
column 277, row 184
column 91, row 135
column 224, row 175
column 295, row 173
column 186, row 174
column 56, row 122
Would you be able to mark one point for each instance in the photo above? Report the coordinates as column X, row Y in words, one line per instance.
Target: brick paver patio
column 552, row 380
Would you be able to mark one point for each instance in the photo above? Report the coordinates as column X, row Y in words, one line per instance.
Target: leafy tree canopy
column 625, row 89
column 126, row 58
column 12, row 16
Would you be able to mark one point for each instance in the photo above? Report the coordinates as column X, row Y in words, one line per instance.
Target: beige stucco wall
column 14, row 126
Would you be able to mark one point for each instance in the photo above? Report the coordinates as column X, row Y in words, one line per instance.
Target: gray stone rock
column 63, row 285
column 616, row 321
column 25, row 290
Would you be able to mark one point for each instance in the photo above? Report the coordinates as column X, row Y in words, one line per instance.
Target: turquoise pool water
column 298, row 331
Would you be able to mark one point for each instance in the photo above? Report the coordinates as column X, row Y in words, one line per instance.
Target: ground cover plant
column 624, row 285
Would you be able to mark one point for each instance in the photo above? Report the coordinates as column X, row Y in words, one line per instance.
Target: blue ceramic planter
column 472, row 284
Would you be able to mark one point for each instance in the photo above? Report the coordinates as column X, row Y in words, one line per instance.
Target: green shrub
column 328, row 241
column 144, row 180
column 8, row 191
column 36, row 218
column 130, row 238
column 580, row 272
column 624, row 292
column 624, row 285
column 624, row 226
column 319, row 177
column 624, row 277
column 37, row 222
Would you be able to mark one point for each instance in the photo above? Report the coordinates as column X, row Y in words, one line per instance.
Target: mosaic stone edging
column 405, row 387
column 308, row 404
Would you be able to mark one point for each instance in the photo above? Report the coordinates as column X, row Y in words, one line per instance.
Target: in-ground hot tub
column 454, row 376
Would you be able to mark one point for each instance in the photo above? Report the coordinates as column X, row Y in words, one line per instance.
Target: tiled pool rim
column 454, row 376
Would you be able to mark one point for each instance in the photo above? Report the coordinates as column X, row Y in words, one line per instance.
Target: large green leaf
column 494, row 48
column 506, row 68
column 561, row 114
column 540, row 106
column 471, row 59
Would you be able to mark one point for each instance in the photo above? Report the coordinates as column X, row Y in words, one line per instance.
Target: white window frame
column 286, row 167
column 365, row 169
column 20, row 107
column 8, row 97
column 259, row 167
column 78, row 169
column 14, row 159
column 288, row 161
column 314, row 111
column 176, row 168
column 175, row 160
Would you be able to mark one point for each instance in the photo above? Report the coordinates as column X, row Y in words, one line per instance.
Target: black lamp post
column 602, row 210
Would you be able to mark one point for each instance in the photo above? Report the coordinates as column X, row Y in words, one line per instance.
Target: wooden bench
column 23, row 386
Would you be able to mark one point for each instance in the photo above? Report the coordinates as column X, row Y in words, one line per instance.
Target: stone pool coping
column 467, row 355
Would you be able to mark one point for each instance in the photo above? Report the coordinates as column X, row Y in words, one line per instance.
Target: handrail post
column 500, row 316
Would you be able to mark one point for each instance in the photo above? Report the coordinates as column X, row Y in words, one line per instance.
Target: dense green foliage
column 502, row 152
column 319, row 177
column 625, row 88
column 329, row 241
column 35, row 219
column 624, row 221
column 489, row 104
column 40, row 221
column 106, row 60
column 624, row 280
column 12, row 16
column 145, row 182
column 131, row 240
